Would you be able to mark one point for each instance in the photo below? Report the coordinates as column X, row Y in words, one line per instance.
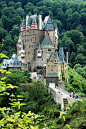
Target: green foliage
column 76, row 83
column 17, row 77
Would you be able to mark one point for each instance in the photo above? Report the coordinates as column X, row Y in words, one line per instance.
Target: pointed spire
column 22, row 24
column 56, row 61
column 56, row 55
column 61, row 55
column 34, row 22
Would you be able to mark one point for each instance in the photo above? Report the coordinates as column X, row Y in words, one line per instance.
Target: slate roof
column 46, row 43
column 56, row 55
column 61, row 55
column 13, row 62
column 52, row 74
column 23, row 24
column 32, row 20
column 47, row 24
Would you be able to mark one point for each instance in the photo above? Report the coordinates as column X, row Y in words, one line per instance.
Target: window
column 51, row 60
column 25, row 40
column 49, row 49
column 52, row 65
column 28, row 52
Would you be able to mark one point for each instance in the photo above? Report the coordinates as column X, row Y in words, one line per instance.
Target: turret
column 22, row 25
column 61, row 55
column 34, row 23
column 56, row 61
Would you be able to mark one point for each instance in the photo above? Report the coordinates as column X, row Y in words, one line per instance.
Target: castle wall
column 30, row 39
column 45, row 56
column 52, row 80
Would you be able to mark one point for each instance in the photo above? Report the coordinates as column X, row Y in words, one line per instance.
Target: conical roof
column 23, row 24
column 56, row 55
column 46, row 43
column 61, row 55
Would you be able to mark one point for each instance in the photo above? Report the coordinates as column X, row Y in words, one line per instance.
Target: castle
column 37, row 40
column 38, row 43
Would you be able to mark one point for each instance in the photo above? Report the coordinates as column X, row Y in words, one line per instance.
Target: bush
column 82, row 95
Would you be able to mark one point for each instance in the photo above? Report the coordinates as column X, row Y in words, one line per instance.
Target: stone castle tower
column 37, row 40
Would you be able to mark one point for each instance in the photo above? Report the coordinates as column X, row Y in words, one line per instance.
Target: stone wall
column 56, row 96
column 51, row 67
column 51, row 80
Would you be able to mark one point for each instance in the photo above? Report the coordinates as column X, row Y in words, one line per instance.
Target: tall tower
column 34, row 23
column 40, row 22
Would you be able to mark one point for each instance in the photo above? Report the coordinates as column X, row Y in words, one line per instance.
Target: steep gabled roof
column 47, row 24
column 46, row 43
column 13, row 62
column 32, row 20
column 61, row 55
column 56, row 55
column 23, row 23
